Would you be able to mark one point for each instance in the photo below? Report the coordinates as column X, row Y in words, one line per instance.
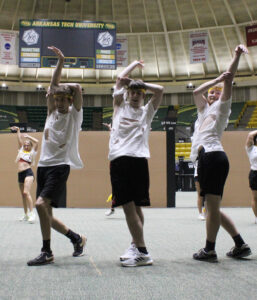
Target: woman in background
column 25, row 159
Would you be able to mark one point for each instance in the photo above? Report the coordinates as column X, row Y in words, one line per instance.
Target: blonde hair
column 218, row 87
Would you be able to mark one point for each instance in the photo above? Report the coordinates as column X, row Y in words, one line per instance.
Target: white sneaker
column 24, row 218
column 109, row 212
column 201, row 217
column 31, row 217
column 129, row 253
column 139, row 259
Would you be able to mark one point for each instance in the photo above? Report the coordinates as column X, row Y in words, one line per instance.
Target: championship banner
column 251, row 35
column 8, row 48
column 198, row 47
column 122, row 51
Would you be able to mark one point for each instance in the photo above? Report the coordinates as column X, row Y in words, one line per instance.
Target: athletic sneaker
column 240, row 252
column 139, row 259
column 129, row 253
column 44, row 258
column 201, row 217
column 23, row 218
column 31, row 217
column 109, row 212
column 79, row 247
column 210, row 256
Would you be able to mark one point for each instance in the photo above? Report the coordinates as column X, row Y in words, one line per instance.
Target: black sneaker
column 240, row 252
column 210, row 256
column 43, row 258
column 79, row 246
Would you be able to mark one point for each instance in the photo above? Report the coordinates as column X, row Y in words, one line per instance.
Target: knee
column 40, row 204
column 25, row 194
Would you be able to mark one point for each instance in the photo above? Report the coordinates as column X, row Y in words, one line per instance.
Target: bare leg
column 199, row 198
column 26, row 191
column 254, row 202
column 24, row 202
column 42, row 206
column 135, row 224
column 213, row 219
column 141, row 217
column 228, row 224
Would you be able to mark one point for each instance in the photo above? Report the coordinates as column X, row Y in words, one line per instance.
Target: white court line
column 94, row 265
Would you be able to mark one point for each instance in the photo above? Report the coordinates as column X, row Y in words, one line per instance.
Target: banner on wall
column 8, row 48
column 122, row 51
column 251, row 35
column 198, row 47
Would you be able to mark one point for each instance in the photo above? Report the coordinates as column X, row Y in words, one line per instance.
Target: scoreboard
column 85, row 45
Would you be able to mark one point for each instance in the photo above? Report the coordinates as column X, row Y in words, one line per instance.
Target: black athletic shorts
column 23, row 174
column 253, row 180
column 51, row 182
column 196, row 178
column 212, row 171
column 130, row 181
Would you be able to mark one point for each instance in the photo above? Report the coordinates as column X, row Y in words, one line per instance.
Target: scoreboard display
column 85, row 45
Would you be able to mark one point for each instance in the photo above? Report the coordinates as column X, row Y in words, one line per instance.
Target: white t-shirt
column 63, row 129
column 252, row 155
column 130, row 131
column 209, row 135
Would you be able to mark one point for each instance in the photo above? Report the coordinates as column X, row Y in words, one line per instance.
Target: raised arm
column 20, row 141
column 123, row 80
column 227, row 90
column 33, row 140
column 250, row 137
column 157, row 91
column 77, row 95
column 55, row 79
column 199, row 98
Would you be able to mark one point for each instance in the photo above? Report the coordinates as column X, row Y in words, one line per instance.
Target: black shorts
column 253, row 180
column 130, row 181
column 212, row 171
column 26, row 173
column 51, row 182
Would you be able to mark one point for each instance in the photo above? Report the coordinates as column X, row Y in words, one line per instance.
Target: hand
column 57, row 51
column 108, row 126
column 241, row 49
column 15, row 128
column 124, row 81
column 226, row 76
column 140, row 63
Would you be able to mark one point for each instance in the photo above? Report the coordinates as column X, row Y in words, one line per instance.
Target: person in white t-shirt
column 26, row 159
column 128, row 153
column 251, row 150
column 59, row 153
column 213, row 165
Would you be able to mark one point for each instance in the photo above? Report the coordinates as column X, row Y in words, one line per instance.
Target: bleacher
column 183, row 150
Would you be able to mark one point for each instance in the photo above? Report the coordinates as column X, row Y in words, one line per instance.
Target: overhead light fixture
column 40, row 87
column 4, row 86
column 190, row 86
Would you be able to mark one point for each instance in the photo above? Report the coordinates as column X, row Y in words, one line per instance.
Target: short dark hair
column 254, row 139
column 136, row 85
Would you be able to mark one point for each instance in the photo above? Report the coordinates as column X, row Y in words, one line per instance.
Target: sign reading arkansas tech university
column 86, row 45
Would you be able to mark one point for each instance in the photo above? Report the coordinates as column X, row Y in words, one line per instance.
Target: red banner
column 251, row 35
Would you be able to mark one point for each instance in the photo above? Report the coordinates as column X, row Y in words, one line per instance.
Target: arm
column 108, row 126
column 20, row 141
column 55, row 79
column 249, row 140
column 123, row 80
column 157, row 91
column 35, row 141
column 77, row 95
column 198, row 93
column 227, row 90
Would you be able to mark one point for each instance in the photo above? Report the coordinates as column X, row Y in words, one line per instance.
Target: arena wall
column 90, row 186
